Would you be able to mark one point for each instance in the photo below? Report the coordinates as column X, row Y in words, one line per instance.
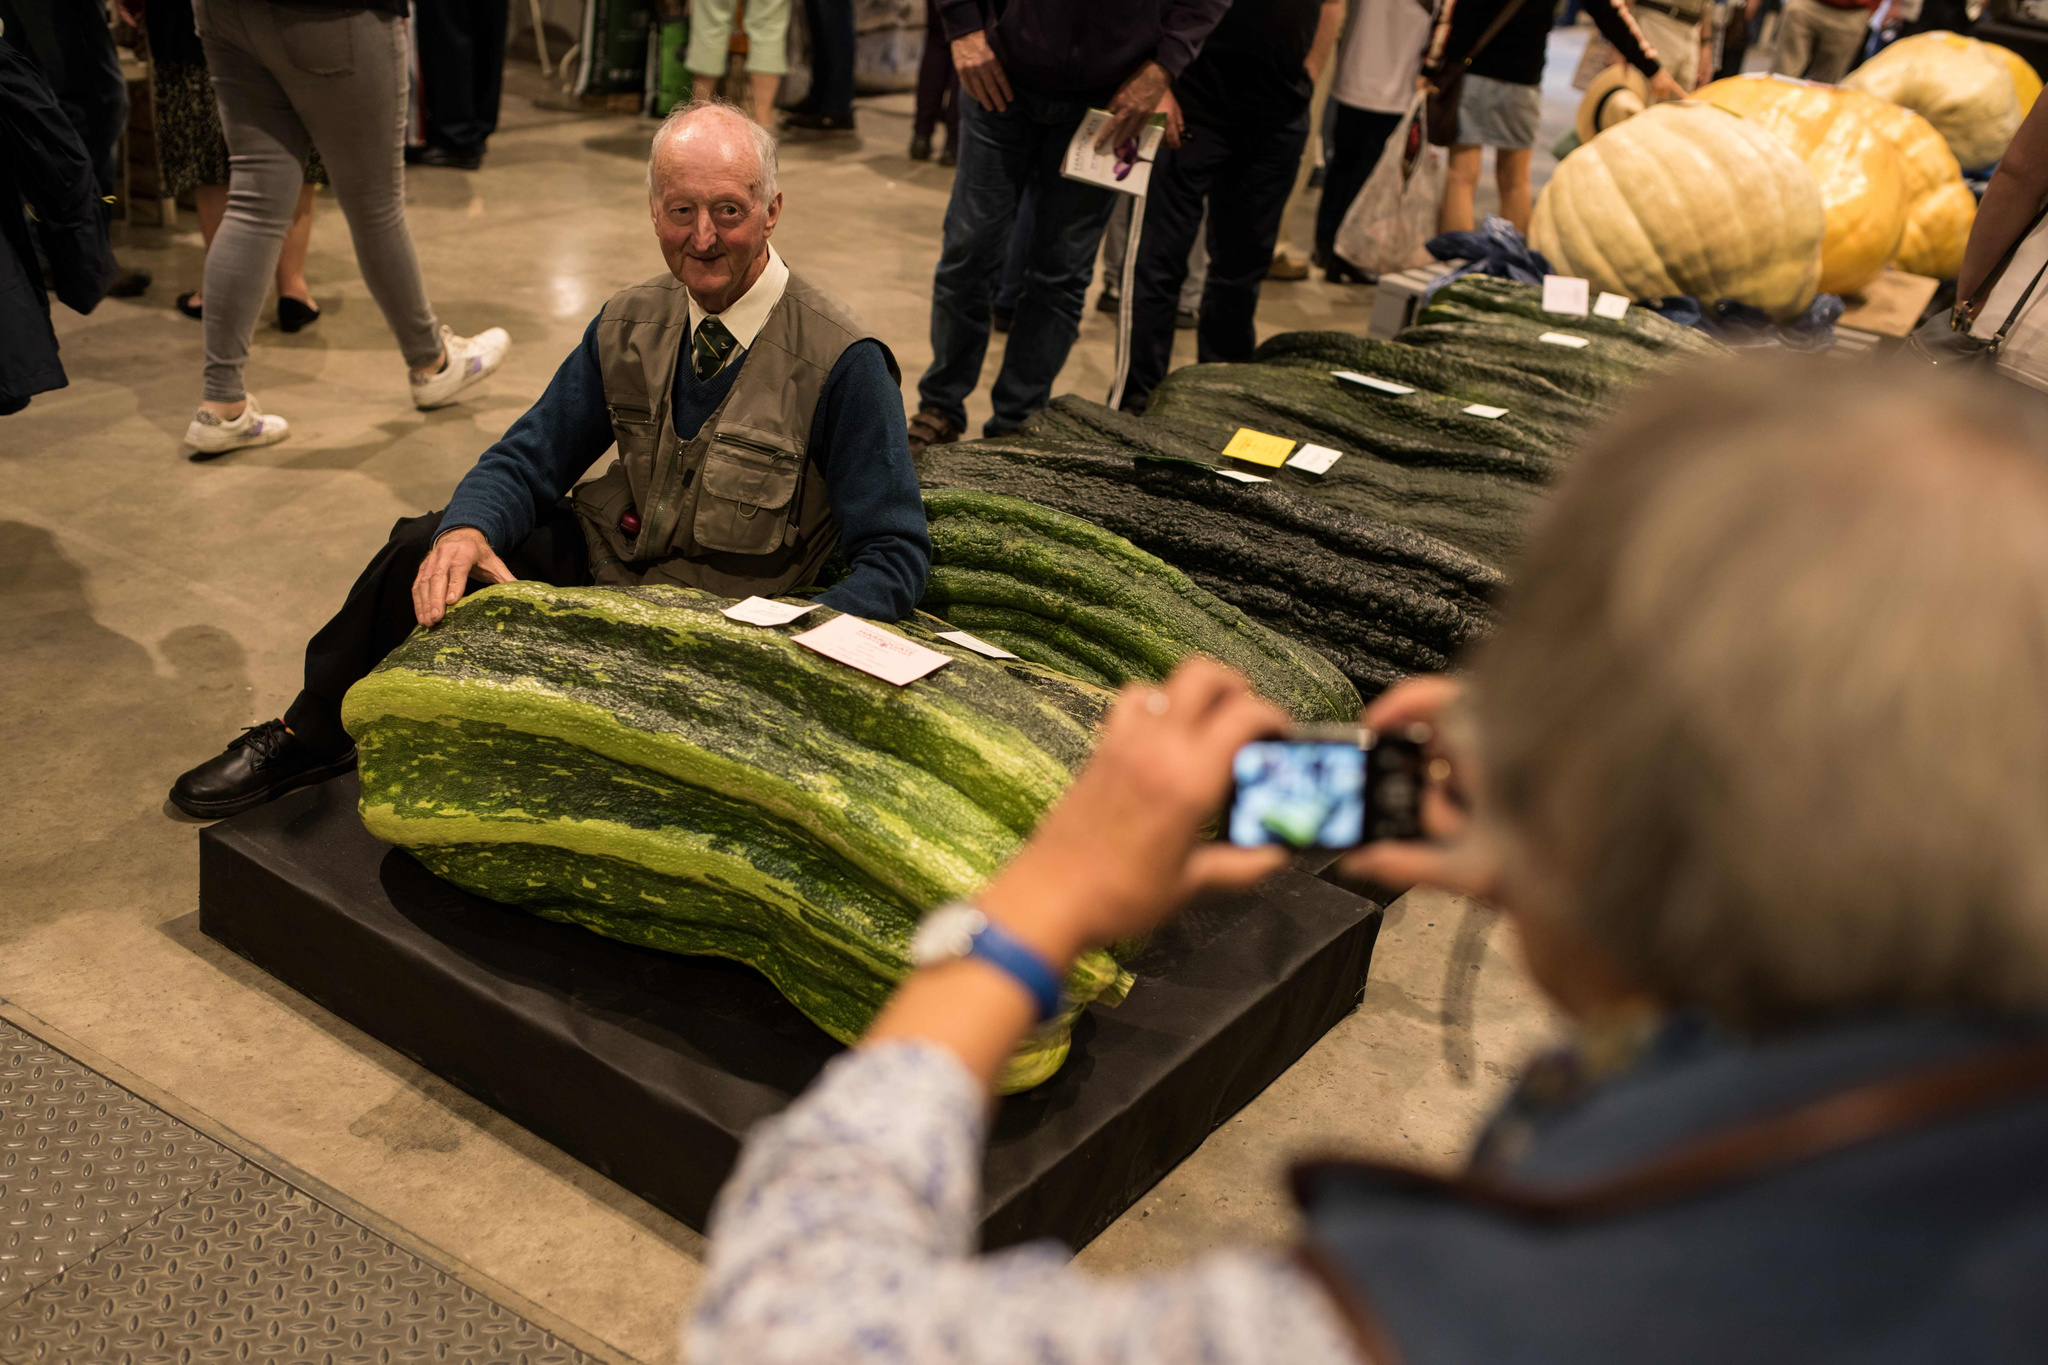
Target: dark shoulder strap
column 1492, row 31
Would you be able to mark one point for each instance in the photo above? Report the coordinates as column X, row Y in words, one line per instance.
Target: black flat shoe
column 817, row 123
column 920, row 149
column 189, row 308
column 264, row 763
column 129, row 284
column 441, row 156
column 292, row 315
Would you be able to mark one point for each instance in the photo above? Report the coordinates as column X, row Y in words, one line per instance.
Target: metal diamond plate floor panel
column 130, row 1238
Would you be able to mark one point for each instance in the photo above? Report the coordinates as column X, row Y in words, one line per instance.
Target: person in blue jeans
column 1029, row 80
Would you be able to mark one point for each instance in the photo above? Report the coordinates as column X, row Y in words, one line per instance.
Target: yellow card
column 1256, row 447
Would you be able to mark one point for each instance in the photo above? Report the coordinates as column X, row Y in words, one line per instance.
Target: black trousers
column 1247, row 173
column 462, row 70
column 378, row 614
column 1358, row 139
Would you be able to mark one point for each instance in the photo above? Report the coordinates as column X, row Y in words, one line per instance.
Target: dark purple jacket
column 1074, row 47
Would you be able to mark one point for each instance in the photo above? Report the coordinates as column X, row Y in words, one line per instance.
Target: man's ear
column 772, row 212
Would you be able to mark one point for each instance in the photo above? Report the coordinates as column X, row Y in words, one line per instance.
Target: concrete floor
column 152, row 604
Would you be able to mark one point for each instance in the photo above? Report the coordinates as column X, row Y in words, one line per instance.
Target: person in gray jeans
column 290, row 77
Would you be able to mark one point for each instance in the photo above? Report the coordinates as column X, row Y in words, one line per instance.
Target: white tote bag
column 2013, row 321
column 1386, row 225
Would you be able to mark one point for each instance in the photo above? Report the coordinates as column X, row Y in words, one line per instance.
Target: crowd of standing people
column 259, row 106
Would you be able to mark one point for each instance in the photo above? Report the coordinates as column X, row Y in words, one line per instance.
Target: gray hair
column 1769, row 703
column 765, row 184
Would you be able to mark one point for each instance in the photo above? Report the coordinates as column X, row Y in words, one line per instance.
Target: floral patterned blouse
column 847, row 1232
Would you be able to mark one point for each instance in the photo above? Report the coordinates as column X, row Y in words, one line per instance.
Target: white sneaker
column 212, row 434
column 470, row 361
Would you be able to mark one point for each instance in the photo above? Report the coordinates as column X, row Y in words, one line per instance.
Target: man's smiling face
column 707, row 211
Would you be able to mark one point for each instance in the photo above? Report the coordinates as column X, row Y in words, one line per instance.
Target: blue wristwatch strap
column 994, row 946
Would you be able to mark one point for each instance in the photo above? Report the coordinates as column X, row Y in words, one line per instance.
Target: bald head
column 713, row 131
column 711, row 193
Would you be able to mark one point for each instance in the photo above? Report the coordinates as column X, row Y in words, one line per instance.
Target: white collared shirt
column 749, row 313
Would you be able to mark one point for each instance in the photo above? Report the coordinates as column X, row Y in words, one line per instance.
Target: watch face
column 947, row 932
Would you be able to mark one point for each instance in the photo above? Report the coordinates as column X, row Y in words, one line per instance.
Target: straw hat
column 1618, row 92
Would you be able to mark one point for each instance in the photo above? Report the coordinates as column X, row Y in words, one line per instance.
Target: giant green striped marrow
column 630, row 760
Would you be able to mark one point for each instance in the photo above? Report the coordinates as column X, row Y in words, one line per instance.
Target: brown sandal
column 929, row 428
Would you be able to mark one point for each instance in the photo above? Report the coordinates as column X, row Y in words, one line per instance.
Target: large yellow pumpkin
column 1939, row 207
column 1862, row 180
column 1685, row 198
column 2026, row 82
column 1961, row 86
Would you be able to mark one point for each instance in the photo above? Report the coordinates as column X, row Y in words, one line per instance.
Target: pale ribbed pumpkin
column 1961, row 86
column 1862, row 181
column 1939, row 207
column 2026, row 82
column 1685, row 198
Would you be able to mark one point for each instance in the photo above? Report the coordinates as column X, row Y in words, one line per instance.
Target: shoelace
column 268, row 740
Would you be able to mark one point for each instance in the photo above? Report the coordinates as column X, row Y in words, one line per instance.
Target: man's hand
column 981, row 75
column 1120, row 851
column 447, row 569
column 1132, row 104
column 1176, row 126
column 1662, row 87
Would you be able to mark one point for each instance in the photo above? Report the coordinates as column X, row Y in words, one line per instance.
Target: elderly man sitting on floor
column 759, row 427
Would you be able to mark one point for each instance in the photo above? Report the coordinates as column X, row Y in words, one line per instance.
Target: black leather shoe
column 441, row 156
column 817, row 123
column 264, row 763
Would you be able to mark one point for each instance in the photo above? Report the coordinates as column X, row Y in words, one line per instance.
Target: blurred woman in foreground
column 1757, row 763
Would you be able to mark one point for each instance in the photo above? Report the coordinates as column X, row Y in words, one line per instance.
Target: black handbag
column 1442, row 115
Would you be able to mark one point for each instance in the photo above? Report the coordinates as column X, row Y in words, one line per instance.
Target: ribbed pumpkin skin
column 1939, row 207
column 1965, row 88
column 1686, row 198
column 632, row 761
column 1862, row 179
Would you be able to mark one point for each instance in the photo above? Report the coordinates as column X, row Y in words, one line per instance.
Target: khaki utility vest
column 739, row 507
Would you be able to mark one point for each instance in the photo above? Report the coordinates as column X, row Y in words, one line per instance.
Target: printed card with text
column 762, row 611
column 975, row 643
column 1257, row 447
column 1565, row 294
column 1125, row 167
column 867, row 647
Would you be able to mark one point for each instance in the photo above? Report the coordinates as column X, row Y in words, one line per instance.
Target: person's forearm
column 540, row 457
column 2012, row 199
column 1329, row 23
column 1617, row 24
column 1185, row 26
column 871, row 485
column 960, row 17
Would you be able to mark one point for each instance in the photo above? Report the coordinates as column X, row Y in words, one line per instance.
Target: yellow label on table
column 1256, row 447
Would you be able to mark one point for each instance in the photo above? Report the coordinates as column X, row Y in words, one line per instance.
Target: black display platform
column 651, row 1067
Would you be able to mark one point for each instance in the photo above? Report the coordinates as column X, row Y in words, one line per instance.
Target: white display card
column 1610, row 306
column 867, row 647
column 966, row 641
column 761, row 611
column 1565, row 294
column 1315, row 459
column 1483, row 410
column 1370, row 382
column 1241, row 477
column 1561, row 339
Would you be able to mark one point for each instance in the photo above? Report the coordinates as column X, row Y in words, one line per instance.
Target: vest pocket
column 636, row 432
column 744, row 504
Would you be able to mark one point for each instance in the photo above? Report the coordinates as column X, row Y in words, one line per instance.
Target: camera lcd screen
column 1301, row 793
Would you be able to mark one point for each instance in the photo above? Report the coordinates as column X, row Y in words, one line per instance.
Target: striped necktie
column 709, row 348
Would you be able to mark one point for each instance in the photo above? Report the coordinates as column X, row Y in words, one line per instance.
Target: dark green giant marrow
column 632, row 761
column 1079, row 598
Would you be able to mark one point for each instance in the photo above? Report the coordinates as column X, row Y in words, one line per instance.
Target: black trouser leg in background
column 1181, row 180
column 378, row 614
column 1255, row 176
column 462, row 70
column 1249, row 171
column 1360, row 136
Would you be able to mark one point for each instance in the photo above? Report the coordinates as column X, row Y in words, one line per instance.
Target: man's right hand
column 981, row 75
column 445, row 572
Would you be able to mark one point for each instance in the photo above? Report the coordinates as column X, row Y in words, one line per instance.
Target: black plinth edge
column 651, row 1067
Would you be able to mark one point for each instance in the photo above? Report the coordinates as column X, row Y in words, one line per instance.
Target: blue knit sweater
column 857, row 437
